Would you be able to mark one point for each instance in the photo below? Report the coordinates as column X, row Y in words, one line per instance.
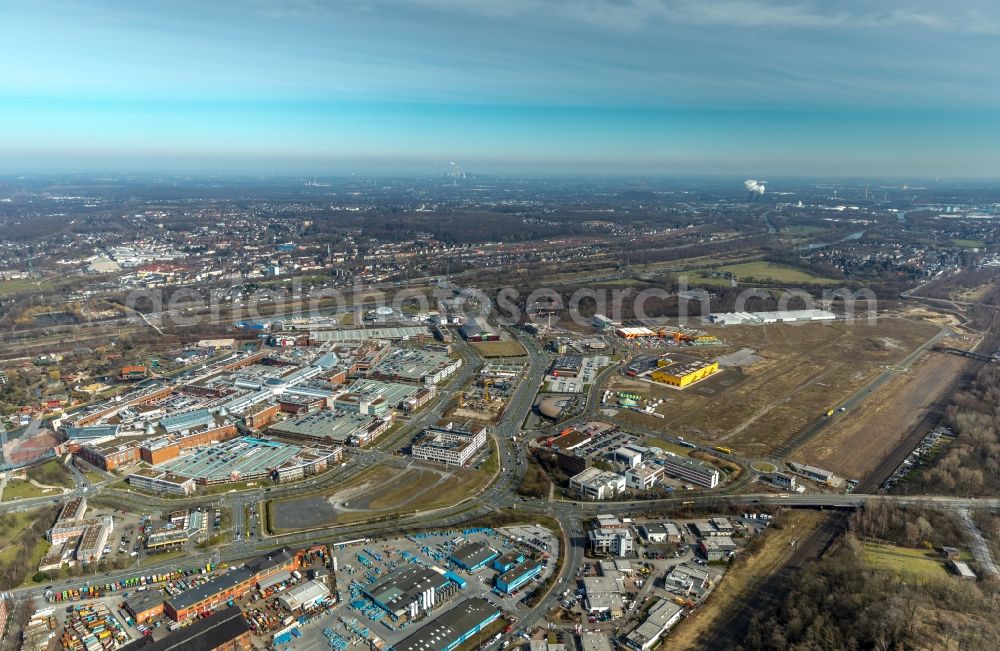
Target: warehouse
column 473, row 556
column 508, row 561
column 567, row 366
column 144, row 605
column 690, row 470
column 660, row 532
column 453, row 447
column 603, row 594
column 515, row 578
column 634, row 333
column 452, row 628
column 679, row 372
column 758, row 318
column 233, row 584
column 409, row 589
column 226, row 630
column 303, row 595
column 478, row 330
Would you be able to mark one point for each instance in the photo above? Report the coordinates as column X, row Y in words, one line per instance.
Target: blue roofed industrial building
column 517, row 577
column 410, row 589
column 508, row 561
column 452, row 628
column 473, row 556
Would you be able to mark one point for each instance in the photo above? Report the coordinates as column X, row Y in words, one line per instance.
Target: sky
column 757, row 87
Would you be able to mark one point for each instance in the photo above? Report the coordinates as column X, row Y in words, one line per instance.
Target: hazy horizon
column 742, row 87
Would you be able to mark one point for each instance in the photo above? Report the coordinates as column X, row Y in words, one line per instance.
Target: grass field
column 667, row 446
column 969, row 244
column 493, row 349
column 19, row 532
column 911, row 564
column 18, row 523
column 11, row 287
column 760, row 271
column 51, row 473
column 21, row 489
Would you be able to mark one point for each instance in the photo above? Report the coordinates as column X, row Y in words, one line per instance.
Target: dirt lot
column 493, row 349
column 804, row 370
column 850, row 446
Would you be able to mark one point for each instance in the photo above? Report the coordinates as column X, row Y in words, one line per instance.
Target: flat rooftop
column 401, row 587
column 411, row 363
column 245, row 456
column 322, row 424
column 393, row 392
column 448, row 629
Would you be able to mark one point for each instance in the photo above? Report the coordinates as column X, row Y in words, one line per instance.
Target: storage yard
column 390, row 590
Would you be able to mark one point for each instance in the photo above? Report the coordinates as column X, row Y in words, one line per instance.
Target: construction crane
column 486, row 388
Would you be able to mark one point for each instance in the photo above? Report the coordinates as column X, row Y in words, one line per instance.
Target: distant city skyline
column 753, row 87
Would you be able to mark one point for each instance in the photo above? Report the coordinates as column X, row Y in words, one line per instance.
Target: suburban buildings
column 609, row 535
column 661, row 618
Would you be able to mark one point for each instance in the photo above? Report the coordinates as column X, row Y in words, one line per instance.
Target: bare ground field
column 804, row 371
column 923, row 313
column 850, row 444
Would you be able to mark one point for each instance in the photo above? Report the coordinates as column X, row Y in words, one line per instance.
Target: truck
column 829, row 413
column 723, row 450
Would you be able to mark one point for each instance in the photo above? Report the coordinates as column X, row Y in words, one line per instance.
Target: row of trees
column 908, row 527
column 840, row 602
column 971, row 464
column 25, row 544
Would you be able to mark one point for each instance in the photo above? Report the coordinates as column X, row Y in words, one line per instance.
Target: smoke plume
column 755, row 187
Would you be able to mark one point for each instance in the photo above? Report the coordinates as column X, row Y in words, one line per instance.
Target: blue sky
column 503, row 86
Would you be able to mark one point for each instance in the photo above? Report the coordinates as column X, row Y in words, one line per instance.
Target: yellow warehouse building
column 681, row 374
